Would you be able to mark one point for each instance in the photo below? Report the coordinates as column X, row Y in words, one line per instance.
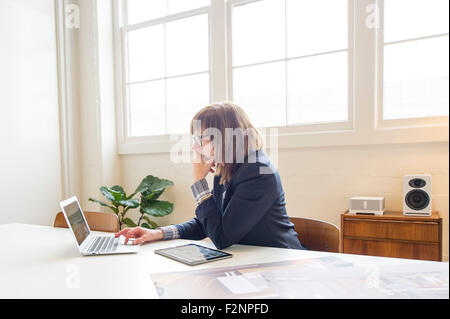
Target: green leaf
column 147, row 219
column 156, row 195
column 151, row 185
column 152, row 223
column 114, row 209
column 148, row 200
column 98, row 202
column 117, row 193
column 156, row 208
column 132, row 203
column 107, row 193
column 129, row 222
column 151, row 196
column 120, row 190
column 145, row 225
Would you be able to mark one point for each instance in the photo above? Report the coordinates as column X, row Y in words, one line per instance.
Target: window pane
column 406, row 19
column 416, row 79
column 176, row 6
column 258, row 32
column 147, row 108
column 144, row 10
column 187, row 45
column 185, row 97
column 318, row 89
column 146, row 53
column 261, row 92
column 315, row 26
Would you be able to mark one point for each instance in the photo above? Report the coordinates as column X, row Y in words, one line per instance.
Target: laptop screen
column 77, row 222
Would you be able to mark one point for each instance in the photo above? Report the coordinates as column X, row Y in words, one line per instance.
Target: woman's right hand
column 203, row 161
column 141, row 235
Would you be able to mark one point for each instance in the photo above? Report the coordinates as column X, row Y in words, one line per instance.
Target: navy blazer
column 250, row 210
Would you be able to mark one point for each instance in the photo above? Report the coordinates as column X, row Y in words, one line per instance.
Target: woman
column 246, row 205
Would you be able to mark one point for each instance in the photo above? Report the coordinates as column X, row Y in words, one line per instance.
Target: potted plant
column 150, row 189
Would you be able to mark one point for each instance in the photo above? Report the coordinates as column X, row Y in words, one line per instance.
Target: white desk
column 44, row 262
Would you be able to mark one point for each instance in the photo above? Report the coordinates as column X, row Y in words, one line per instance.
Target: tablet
column 193, row 254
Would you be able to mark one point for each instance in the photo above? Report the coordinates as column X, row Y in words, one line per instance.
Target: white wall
column 30, row 171
column 99, row 161
column 319, row 181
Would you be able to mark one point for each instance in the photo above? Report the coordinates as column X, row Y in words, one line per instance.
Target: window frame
column 406, row 122
column 121, row 28
column 310, row 127
column 365, row 63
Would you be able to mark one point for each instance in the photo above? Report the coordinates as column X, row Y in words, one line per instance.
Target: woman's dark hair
column 228, row 118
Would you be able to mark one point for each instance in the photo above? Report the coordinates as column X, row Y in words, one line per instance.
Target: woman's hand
column 203, row 161
column 141, row 235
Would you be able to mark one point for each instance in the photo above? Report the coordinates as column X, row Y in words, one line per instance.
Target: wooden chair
column 317, row 235
column 105, row 222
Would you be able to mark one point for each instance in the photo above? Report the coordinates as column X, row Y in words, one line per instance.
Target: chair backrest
column 317, row 235
column 105, row 222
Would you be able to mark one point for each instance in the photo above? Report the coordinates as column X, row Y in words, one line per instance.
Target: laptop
column 88, row 243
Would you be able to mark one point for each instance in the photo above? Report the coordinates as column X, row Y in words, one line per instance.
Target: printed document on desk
column 329, row 277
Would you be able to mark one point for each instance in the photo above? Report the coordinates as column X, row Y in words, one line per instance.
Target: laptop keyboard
column 103, row 244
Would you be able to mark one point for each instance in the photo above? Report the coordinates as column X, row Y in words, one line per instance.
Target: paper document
column 238, row 284
column 326, row 277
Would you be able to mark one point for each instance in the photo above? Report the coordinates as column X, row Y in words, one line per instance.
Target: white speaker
column 417, row 195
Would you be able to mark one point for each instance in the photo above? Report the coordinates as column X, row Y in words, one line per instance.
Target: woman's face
column 202, row 145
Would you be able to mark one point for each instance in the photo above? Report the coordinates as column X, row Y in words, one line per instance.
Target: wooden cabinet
column 392, row 235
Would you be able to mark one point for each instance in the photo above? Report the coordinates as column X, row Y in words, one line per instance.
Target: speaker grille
column 417, row 183
column 417, row 199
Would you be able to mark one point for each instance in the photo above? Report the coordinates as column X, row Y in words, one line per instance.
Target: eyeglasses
column 197, row 139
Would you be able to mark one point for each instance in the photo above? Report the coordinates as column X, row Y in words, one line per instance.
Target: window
column 415, row 60
column 167, row 64
column 323, row 72
column 290, row 61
